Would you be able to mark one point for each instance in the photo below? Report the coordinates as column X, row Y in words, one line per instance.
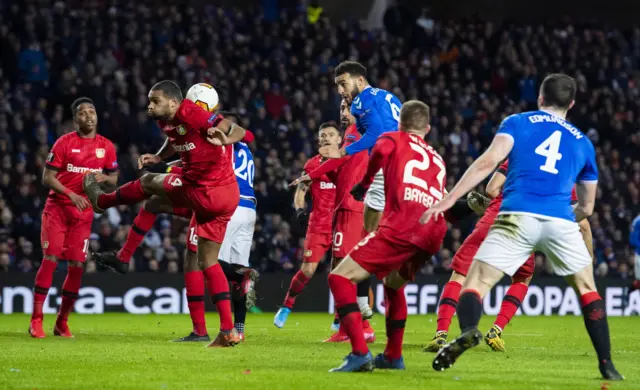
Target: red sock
column 344, row 293
column 70, row 290
column 298, row 283
column 129, row 193
column 589, row 297
column 141, row 225
column 44, row 278
column 447, row 305
column 194, row 282
column 219, row 291
column 510, row 304
column 396, row 319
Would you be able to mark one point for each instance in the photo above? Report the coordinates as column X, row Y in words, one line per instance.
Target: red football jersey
column 323, row 195
column 202, row 163
column 345, row 172
column 72, row 156
column 494, row 206
column 414, row 179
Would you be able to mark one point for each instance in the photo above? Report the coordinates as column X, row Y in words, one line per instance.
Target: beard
column 344, row 123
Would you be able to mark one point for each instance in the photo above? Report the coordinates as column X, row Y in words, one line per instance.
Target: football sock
column 469, row 310
column 219, row 291
column 142, row 223
column 635, row 285
column 510, row 304
column 44, row 278
column 396, row 318
column 128, row 193
column 344, row 293
column 595, row 320
column 194, row 283
column 231, row 271
column 447, row 305
column 239, row 311
column 298, row 283
column 70, row 289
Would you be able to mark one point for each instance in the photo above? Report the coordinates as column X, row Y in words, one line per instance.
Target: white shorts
column 375, row 196
column 513, row 237
column 636, row 268
column 236, row 245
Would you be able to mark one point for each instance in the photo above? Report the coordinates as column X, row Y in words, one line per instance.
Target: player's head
column 329, row 134
column 558, row 91
column 346, row 118
column 351, row 79
column 164, row 99
column 232, row 116
column 84, row 115
column 415, row 118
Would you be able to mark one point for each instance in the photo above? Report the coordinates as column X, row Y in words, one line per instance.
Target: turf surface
column 128, row 351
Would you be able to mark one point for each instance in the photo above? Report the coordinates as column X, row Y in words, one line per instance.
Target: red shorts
column 316, row 246
column 464, row 256
column 192, row 237
column 65, row 232
column 380, row 253
column 212, row 206
column 347, row 231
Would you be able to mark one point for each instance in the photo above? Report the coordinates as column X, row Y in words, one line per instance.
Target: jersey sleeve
column 589, row 172
column 111, row 161
column 196, row 116
column 508, row 126
column 381, row 151
column 370, row 120
column 57, row 156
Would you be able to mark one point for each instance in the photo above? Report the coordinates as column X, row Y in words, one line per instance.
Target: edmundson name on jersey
column 554, row 119
column 74, row 169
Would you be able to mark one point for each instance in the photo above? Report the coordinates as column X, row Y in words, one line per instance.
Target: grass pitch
column 119, row 351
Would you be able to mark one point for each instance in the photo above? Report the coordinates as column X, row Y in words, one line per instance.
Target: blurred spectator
column 273, row 64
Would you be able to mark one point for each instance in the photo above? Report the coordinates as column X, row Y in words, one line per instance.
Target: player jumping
column 67, row 215
column 318, row 238
column 547, row 156
column 207, row 185
column 348, row 219
column 415, row 179
column 376, row 111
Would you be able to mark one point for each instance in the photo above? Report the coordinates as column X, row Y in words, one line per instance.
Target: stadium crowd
column 277, row 73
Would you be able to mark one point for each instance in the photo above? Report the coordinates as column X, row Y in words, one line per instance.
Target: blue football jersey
column 376, row 111
column 244, row 169
column 549, row 156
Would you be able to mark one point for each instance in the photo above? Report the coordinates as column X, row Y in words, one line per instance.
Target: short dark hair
column 76, row 104
column 228, row 114
column 169, row 88
column 328, row 124
column 351, row 67
column 414, row 114
column 558, row 90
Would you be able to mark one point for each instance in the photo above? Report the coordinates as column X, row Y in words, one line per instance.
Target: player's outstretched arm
column 586, row 199
column 478, row 171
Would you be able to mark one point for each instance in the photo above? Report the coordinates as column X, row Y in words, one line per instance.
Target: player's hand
column 148, row 159
column 301, row 179
column 80, row 202
column 217, row 137
column 437, row 210
column 330, row 151
column 478, row 202
column 100, row 177
column 358, row 191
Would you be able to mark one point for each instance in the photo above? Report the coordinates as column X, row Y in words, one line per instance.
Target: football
column 204, row 95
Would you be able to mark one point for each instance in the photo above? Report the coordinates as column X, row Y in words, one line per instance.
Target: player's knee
column 50, row 258
column 457, row 277
column 394, row 281
column 152, row 183
column 75, row 264
column 308, row 269
column 521, row 279
column 191, row 262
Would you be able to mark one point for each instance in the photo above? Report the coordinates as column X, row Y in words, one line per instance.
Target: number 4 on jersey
column 549, row 148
